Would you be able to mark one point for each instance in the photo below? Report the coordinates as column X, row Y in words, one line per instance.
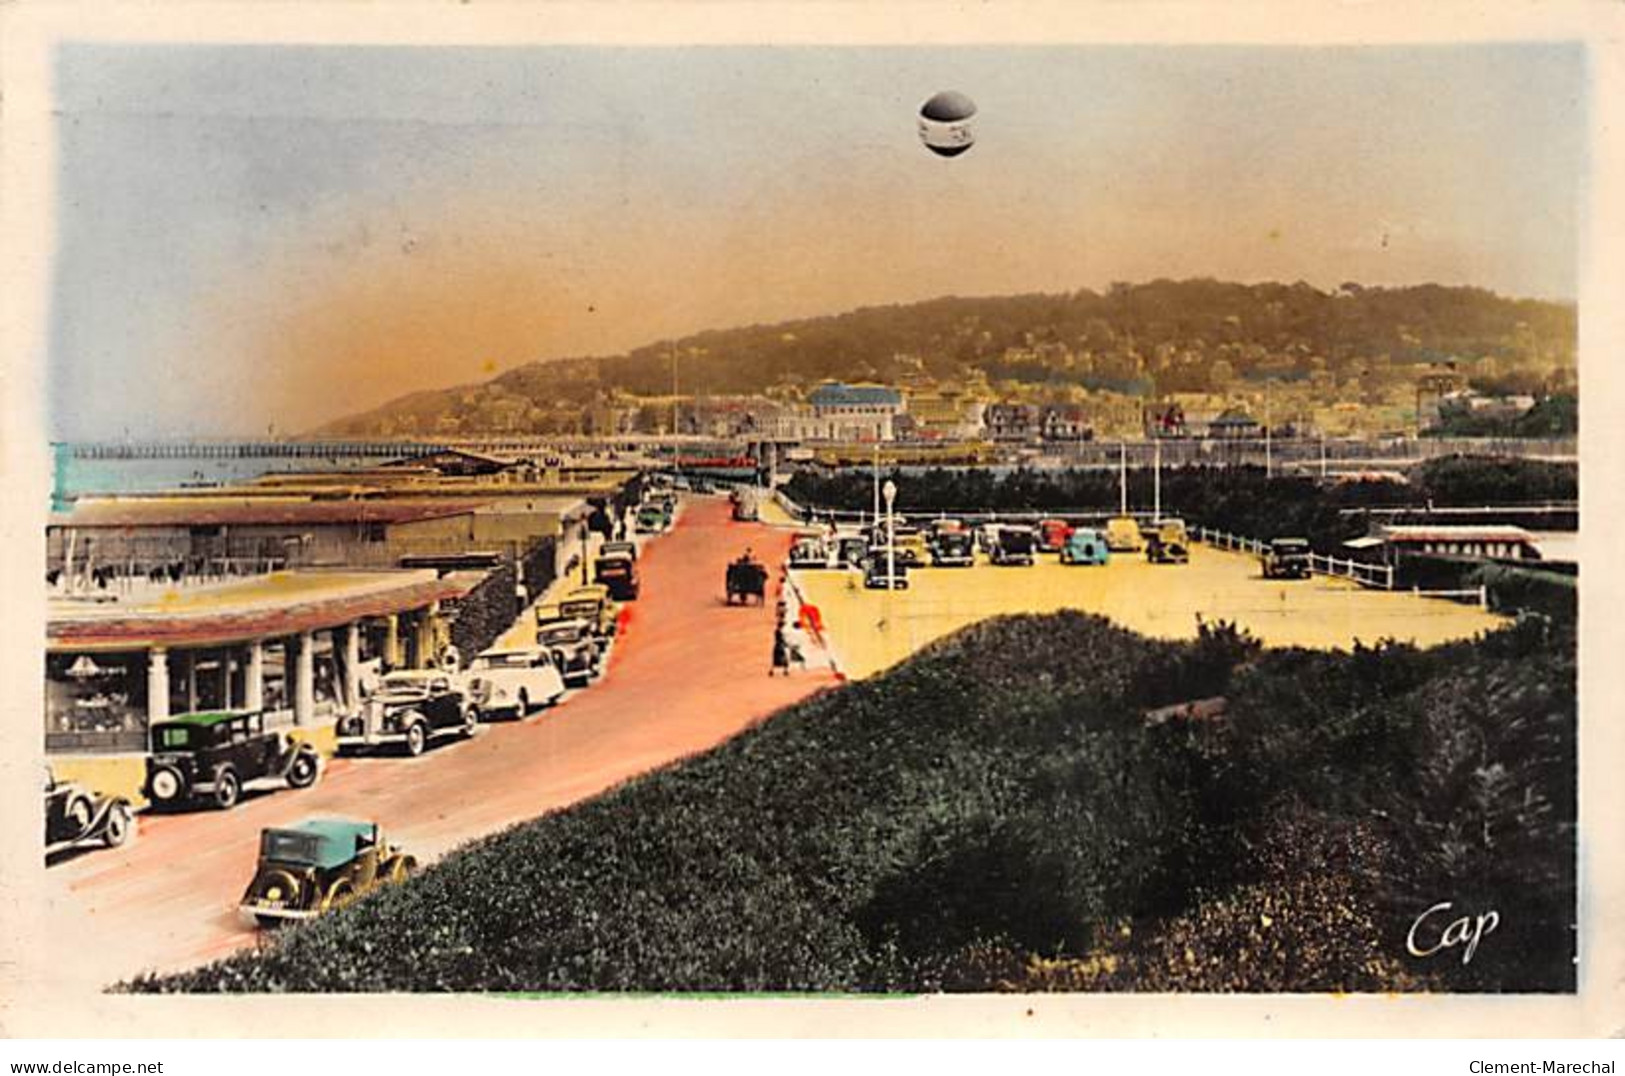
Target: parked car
column 611, row 549
column 875, row 575
column 851, row 550
column 215, row 755
column 575, row 650
column 1085, row 546
column 651, row 519
column 1123, row 535
column 746, row 507
column 1167, row 543
column 911, row 548
column 508, row 683
column 411, row 709
column 953, row 549
column 1052, row 535
column 618, row 574
column 593, row 604
column 1287, row 558
column 1014, row 545
column 319, row 865
column 76, row 816
column 810, row 551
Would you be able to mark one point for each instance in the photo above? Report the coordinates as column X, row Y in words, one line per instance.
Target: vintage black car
column 953, row 549
column 318, row 865
column 629, row 549
column 75, row 817
column 575, row 650
column 1014, row 545
column 213, row 756
column 875, row 572
column 410, row 709
column 1287, row 558
column 619, row 574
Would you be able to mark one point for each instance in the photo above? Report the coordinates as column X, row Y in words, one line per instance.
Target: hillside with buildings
column 1173, row 357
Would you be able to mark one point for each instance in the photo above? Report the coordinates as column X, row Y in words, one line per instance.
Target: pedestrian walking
column 781, row 652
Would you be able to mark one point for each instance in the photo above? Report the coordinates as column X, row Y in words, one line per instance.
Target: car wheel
column 118, row 826
column 341, row 894
column 302, row 772
column 78, row 815
column 227, row 788
column 166, row 785
column 524, row 702
column 269, row 922
column 402, row 869
column 416, row 739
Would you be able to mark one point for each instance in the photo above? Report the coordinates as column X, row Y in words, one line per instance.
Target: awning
column 1365, row 542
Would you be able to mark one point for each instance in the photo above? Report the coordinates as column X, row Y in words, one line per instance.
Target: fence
column 1367, row 575
column 1479, row 595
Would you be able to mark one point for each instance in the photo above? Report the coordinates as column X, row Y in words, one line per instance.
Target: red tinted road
column 687, row 672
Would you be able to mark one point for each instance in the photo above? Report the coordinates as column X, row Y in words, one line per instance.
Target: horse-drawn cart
column 747, row 579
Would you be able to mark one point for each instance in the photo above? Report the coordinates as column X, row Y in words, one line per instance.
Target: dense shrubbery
column 996, row 814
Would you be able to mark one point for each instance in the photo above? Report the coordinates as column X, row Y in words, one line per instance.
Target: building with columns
column 297, row 645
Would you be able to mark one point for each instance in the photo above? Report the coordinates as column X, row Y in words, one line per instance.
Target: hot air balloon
column 945, row 123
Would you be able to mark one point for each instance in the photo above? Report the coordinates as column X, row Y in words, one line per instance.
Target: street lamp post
column 877, row 483
column 891, row 535
column 586, row 542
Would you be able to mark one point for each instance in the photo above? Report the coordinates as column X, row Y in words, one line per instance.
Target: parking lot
column 871, row 630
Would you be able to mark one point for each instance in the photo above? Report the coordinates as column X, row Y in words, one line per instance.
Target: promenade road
column 686, row 673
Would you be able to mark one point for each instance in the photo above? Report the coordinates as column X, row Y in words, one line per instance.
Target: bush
column 995, row 813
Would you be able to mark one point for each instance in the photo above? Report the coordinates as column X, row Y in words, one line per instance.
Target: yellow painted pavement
column 871, row 630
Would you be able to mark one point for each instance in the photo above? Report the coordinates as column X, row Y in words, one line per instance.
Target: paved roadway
column 686, row 673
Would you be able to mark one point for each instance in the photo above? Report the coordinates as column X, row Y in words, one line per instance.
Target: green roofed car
column 318, row 865
column 213, row 756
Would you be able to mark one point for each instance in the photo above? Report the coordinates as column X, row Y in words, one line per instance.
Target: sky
column 259, row 238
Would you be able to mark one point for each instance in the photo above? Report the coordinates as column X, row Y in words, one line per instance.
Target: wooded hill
column 1163, row 336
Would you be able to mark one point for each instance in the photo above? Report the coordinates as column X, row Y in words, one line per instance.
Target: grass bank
column 998, row 813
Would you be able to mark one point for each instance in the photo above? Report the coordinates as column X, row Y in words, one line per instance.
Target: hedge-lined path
column 686, row 673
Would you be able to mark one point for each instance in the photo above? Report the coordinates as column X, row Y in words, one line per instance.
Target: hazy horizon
column 251, row 236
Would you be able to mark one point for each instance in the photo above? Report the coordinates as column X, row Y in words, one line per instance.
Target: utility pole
column 1122, row 478
column 676, row 448
column 891, row 535
column 877, row 483
column 1156, row 484
column 1269, row 459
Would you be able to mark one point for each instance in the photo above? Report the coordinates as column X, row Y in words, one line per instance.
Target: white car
column 503, row 683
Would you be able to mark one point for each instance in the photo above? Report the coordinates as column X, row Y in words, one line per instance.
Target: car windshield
column 289, row 846
column 404, row 684
column 1291, row 545
column 503, row 661
column 581, row 608
column 561, row 635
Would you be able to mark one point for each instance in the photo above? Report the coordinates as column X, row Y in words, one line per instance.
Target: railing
column 1479, row 595
column 1367, row 575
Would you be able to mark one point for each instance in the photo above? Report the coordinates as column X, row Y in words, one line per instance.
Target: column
column 304, row 688
column 392, row 641
column 254, row 677
column 191, row 681
column 157, row 685
column 352, row 667
column 228, row 662
column 426, row 626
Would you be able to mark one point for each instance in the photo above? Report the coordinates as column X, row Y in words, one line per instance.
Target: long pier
column 205, row 450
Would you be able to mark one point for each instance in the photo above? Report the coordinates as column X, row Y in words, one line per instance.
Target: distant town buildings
column 842, row 412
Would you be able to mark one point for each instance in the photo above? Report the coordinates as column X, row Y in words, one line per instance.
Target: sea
column 76, row 476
